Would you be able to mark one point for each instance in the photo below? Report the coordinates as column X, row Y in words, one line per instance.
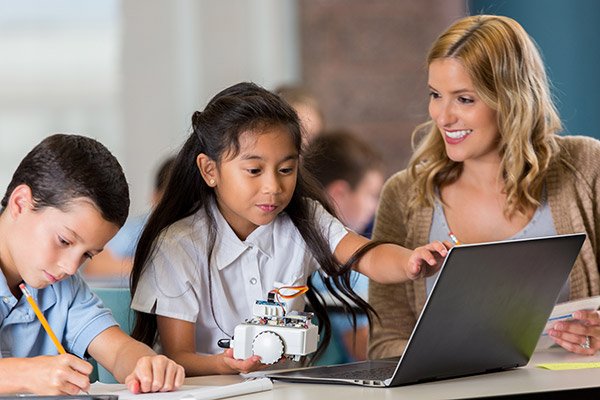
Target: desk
column 528, row 379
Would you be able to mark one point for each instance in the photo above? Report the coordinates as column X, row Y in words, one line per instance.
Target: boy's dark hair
column 340, row 154
column 64, row 167
column 215, row 132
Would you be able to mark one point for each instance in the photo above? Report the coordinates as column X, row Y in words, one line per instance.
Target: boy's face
column 49, row 245
column 358, row 207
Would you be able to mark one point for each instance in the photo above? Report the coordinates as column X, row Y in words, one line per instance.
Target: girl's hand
column 577, row 334
column 155, row 374
column 426, row 260
column 62, row 374
column 234, row 366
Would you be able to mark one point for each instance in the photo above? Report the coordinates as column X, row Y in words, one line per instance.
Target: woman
column 489, row 166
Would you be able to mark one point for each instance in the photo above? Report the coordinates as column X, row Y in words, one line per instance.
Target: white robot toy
column 272, row 333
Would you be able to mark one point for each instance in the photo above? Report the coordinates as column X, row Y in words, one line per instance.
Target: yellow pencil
column 42, row 319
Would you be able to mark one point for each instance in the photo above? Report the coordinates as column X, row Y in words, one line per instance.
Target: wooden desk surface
column 528, row 379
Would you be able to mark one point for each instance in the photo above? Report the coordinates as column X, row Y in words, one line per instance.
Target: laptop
column 485, row 313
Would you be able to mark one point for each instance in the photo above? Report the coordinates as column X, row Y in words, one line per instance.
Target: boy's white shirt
column 175, row 283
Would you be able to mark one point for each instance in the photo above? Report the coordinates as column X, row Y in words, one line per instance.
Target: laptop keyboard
column 374, row 374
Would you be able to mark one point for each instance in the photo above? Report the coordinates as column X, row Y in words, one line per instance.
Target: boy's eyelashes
column 64, row 242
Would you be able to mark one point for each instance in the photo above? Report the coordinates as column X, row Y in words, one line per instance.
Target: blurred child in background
column 116, row 259
column 307, row 107
column 351, row 172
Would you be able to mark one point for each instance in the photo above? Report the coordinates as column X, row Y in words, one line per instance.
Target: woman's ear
column 208, row 169
column 20, row 200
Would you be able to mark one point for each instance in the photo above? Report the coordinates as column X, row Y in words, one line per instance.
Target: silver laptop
column 485, row 313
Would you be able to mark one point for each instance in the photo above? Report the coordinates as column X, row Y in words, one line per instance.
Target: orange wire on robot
column 297, row 291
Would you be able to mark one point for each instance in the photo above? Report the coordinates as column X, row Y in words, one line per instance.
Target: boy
column 67, row 198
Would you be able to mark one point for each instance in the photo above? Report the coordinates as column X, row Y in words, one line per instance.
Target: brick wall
column 364, row 60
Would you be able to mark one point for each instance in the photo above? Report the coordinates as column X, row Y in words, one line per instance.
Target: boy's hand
column 155, row 374
column 62, row 374
column 426, row 260
column 234, row 366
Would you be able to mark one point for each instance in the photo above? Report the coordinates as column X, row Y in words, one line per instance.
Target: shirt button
column 253, row 281
column 6, row 299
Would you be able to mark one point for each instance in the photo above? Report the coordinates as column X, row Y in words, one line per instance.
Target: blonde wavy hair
column 508, row 74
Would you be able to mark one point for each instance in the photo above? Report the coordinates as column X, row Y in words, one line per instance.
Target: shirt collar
column 228, row 247
column 4, row 290
column 44, row 298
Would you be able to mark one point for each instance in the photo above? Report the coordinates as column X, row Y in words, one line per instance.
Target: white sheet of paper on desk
column 562, row 311
column 203, row 392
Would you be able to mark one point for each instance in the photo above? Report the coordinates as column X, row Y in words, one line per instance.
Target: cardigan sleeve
column 574, row 193
column 395, row 319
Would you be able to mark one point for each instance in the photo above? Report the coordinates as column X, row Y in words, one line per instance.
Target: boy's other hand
column 155, row 374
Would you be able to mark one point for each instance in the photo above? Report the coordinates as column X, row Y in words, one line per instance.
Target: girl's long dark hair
column 215, row 132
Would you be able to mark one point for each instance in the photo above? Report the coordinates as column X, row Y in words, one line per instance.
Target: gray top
column 541, row 224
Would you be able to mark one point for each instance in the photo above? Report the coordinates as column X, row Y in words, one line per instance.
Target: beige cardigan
column 573, row 188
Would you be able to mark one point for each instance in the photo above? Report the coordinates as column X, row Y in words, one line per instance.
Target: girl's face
column 468, row 125
column 48, row 245
column 257, row 184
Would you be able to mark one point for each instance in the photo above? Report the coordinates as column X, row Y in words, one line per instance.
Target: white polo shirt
column 175, row 282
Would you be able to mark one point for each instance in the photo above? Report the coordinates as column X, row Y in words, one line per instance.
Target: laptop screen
column 488, row 307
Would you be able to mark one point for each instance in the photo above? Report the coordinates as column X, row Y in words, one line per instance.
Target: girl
column 67, row 198
column 239, row 217
column 490, row 166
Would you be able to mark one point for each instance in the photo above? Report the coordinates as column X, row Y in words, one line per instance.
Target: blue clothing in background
column 124, row 243
column 336, row 353
column 75, row 314
column 368, row 232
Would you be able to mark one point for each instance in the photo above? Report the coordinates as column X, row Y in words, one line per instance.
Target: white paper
column 202, row 392
column 563, row 312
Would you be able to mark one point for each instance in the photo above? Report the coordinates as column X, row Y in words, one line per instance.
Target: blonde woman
column 489, row 166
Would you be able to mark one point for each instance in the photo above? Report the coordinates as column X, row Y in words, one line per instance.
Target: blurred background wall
column 131, row 72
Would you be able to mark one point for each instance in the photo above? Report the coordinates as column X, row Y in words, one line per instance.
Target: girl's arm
column 178, row 340
column 65, row 374
column 390, row 263
column 135, row 364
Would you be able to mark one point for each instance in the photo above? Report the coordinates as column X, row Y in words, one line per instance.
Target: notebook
column 485, row 313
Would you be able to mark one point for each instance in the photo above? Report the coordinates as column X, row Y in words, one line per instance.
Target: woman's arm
column 178, row 340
